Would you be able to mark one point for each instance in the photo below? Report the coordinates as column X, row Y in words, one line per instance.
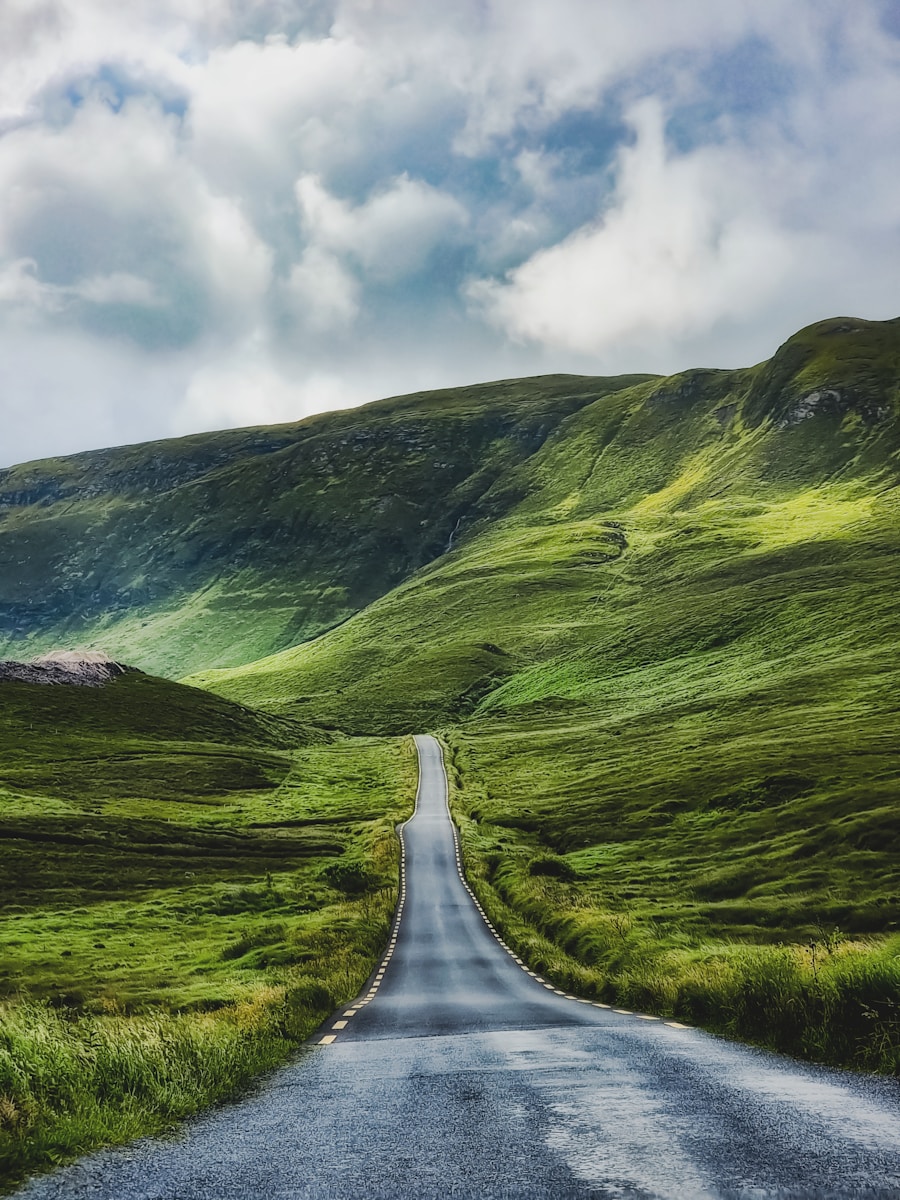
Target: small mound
column 79, row 668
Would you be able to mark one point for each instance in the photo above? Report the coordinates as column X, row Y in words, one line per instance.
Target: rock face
column 81, row 668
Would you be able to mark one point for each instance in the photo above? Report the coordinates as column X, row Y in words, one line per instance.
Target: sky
column 231, row 212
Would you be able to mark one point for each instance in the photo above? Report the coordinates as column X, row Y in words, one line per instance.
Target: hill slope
column 187, row 889
column 720, row 513
column 212, row 550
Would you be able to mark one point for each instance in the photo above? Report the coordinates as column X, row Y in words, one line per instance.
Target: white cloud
column 246, row 388
column 692, row 241
column 21, row 288
column 265, row 108
column 139, row 226
column 321, row 293
column 684, row 244
column 391, row 235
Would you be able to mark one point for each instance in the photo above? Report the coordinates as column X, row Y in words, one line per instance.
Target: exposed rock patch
column 79, row 668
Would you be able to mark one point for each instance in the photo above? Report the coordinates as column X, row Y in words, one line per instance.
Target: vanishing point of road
column 459, row 1073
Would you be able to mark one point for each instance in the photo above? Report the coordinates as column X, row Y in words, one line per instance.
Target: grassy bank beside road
column 188, row 890
column 745, row 919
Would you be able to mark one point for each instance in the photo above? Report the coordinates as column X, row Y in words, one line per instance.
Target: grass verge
column 831, row 998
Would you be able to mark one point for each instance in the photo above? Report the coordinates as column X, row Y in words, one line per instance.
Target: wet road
column 459, row 1074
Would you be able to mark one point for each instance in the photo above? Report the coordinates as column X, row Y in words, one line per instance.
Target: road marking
column 328, row 1039
column 339, row 1025
column 625, row 1012
column 351, row 1012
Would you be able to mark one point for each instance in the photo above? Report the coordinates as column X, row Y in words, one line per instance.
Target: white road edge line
column 395, row 928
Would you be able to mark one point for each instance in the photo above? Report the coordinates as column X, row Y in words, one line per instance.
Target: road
column 460, row 1074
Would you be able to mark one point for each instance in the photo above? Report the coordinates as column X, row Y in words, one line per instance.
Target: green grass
column 189, row 889
column 760, row 919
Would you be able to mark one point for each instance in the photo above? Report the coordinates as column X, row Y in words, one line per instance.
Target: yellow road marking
column 645, row 1017
column 339, row 1025
column 626, row 1012
column 676, row 1025
column 327, row 1039
column 597, row 1004
column 351, row 1012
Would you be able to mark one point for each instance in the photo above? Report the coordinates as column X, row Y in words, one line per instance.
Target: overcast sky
column 230, row 212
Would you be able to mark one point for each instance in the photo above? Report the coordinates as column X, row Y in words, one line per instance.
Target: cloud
column 391, row 235
column 761, row 226
column 21, row 288
column 683, row 244
column 139, row 229
column 255, row 206
column 321, row 293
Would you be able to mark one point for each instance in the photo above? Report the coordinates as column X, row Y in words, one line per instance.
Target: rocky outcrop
column 81, row 668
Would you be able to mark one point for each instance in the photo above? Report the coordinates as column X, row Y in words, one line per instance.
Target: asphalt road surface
column 460, row 1074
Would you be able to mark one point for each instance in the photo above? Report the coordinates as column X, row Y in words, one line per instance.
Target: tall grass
column 71, row 1081
column 832, row 1000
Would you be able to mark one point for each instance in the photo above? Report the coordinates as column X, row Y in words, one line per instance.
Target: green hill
column 697, row 527
column 215, row 549
column 187, row 888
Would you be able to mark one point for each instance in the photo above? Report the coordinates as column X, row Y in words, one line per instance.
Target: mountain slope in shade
column 214, row 549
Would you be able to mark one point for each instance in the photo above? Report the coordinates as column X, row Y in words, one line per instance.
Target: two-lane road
column 460, row 1074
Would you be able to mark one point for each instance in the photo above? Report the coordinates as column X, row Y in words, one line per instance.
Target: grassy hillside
column 671, row 668
column 215, row 549
column 188, row 888
column 725, row 515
